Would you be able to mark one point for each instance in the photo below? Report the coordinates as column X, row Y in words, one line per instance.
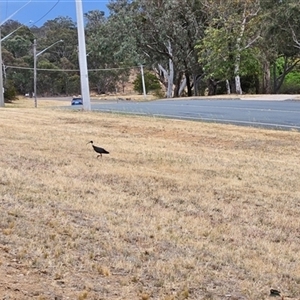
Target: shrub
column 151, row 83
column 10, row 92
column 291, row 84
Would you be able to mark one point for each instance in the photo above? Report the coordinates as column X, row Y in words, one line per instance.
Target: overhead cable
column 47, row 12
column 71, row 70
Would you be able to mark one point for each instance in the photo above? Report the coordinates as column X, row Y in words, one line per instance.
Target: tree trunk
column 182, row 86
column 238, row 87
column 257, row 87
column 177, row 84
column 195, row 85
column 228, row 87
column 167, row 77
column 237, row 79
column 170, row 80
column 212, row 87
column 266, row 89
column 99, row 88
column 188, row 84
column 163, row 76
column 171, row 72
column 278, row 80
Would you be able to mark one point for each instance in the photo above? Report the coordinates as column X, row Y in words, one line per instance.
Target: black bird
column 98, row 149
column 274, row 293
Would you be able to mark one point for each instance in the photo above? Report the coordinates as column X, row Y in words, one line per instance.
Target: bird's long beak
column 88, row 142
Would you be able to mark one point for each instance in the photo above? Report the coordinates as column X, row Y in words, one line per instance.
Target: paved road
column 260, row 113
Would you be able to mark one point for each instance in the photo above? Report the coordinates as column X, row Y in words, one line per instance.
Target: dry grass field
column 177, row 210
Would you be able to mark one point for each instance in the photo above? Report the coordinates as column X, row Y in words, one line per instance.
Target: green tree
column 17, row 46
column 281, row 20
column 230, row 33
column 48, row 82
column 109, row 52
column 62, row 55
column 165, row 33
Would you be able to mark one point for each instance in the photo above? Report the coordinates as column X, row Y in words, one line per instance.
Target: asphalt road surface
column 259, row 113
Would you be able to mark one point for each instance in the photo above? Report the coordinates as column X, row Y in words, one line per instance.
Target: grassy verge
column 177, row 210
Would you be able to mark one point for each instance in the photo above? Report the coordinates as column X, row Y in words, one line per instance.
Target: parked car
column 77, row 101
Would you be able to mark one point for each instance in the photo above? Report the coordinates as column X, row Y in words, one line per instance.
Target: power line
column 72, row 70
column 57, row 2
column 47, row 12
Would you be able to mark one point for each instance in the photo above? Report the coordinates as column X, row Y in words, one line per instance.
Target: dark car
column 77, row 101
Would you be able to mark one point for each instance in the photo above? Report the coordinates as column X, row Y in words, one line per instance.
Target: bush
column 291, row 84
column 159, row 94
column 289, row 89
column 151, row 83
column 10, row 92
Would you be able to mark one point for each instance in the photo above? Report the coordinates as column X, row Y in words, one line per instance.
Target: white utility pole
column 1, row 72
column 1, row 76
column 143, row 82
column 84, row 77
column 34, row 73
column 35, row 55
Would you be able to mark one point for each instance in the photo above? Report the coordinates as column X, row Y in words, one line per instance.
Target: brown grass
column 25, row 102
column 177, row 210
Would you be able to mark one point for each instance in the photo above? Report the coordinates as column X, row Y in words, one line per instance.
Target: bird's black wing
column 100, row 150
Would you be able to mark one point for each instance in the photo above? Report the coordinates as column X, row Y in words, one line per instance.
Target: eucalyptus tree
column 16, row 55
column 172, row 29
column 230, row 34
column 62, row 55
column 16, row 72
column 9, row 26
column 107, row 52
column 18, row 46
column 62, row 28
column 280, row 48
column 18, row 38
column 165, row 33
column 48, row 83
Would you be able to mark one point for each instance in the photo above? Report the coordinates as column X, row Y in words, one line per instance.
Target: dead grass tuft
column 177, row 210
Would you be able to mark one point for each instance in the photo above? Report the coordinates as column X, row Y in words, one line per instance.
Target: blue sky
column 44, row 10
